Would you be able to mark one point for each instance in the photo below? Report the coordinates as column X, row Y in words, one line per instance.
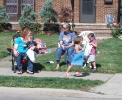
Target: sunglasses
column 65, row 27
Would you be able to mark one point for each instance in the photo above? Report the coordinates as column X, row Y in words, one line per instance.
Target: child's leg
column 94, row 65
column 68, row 69
column 90, row 65
column 85, row 61
column 78, row 73
column 78, row 69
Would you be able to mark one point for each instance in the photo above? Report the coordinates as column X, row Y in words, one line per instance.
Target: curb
column 55, row 92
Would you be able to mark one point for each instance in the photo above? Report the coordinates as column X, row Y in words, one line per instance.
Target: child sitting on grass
column 41, row 46
column 77, row 57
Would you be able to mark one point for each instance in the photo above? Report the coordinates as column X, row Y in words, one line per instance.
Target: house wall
column 1, row 2
column 99, row 27
column 101, row 9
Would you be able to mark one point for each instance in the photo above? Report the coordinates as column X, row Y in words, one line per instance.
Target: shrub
column 115, row 30
column 51, row 27
column 65, row 15
column 29, row 19
column 3, row 15
column 47, row 13
column 4, row 18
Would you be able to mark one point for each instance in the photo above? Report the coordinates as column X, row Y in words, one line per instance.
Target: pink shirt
column 93, row 50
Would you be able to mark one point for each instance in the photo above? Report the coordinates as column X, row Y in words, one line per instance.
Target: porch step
column 101, row 30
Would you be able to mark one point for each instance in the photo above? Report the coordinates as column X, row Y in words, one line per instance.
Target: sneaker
column 94, row 70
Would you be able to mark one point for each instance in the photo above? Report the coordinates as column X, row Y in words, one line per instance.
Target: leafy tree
column 47, row 12
column 65, row 15
column 29, row 19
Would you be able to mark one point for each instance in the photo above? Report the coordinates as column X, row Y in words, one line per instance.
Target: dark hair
column 91, row 35
column 78, row 39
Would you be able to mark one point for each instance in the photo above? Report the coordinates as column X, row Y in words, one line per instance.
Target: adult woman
column 20, row 51
column 66, row 44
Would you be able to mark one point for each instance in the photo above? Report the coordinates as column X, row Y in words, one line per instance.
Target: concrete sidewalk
column 90, row 76
column 111, row 88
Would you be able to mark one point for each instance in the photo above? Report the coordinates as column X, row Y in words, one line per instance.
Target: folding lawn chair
column 10, row 52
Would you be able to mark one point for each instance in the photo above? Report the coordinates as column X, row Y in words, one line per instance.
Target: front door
column 87, row 11
column 14, row 8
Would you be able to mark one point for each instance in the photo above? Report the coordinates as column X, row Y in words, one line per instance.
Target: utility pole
column 72, row 4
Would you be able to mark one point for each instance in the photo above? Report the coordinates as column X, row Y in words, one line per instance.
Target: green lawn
column 110, row 56
column 108, row 60
column 5, row 38
column 34, row 82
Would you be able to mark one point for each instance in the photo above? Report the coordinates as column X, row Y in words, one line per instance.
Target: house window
column 27, row 2
column 15, row 7
column 12, row 6
column 108, row 2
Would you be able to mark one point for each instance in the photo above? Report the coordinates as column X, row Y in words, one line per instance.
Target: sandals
column 67, row 74
column 77, row 74
column 29, row 72
column 19, row 71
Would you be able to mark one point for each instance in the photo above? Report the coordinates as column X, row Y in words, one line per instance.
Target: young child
column 31, row 45
column 41, row 46
column 31, row 42
column 77, row 57
column 91, row 58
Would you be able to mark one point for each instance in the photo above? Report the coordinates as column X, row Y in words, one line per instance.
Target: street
column 36, row 97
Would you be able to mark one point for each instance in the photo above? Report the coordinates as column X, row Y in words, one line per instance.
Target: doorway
column 14, row 8
column 87, row 11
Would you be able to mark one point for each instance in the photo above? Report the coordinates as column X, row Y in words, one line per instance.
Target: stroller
column 10, row 52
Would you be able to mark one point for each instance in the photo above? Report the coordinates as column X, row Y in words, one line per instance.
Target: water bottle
column 49, row 51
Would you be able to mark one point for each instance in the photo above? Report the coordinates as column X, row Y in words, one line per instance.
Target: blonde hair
column 25, row 32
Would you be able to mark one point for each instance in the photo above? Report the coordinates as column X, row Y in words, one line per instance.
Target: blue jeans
column 60, row 52
column 19, row 64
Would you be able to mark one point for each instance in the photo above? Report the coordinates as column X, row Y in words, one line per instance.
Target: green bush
column 47, row 13
column 3, row 15
column 34, row 27
column 116, row 29
column 29, row 19
column 3, row 18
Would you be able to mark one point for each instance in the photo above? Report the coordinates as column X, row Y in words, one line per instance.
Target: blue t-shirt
column 21, row 44
column 67, row 38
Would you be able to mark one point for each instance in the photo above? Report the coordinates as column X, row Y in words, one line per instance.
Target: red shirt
column 93, row 50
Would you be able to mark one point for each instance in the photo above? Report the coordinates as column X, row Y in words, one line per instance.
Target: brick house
column 88, row 14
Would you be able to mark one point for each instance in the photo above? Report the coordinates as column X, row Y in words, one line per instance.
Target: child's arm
column 77, row 49
column 93, row 44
